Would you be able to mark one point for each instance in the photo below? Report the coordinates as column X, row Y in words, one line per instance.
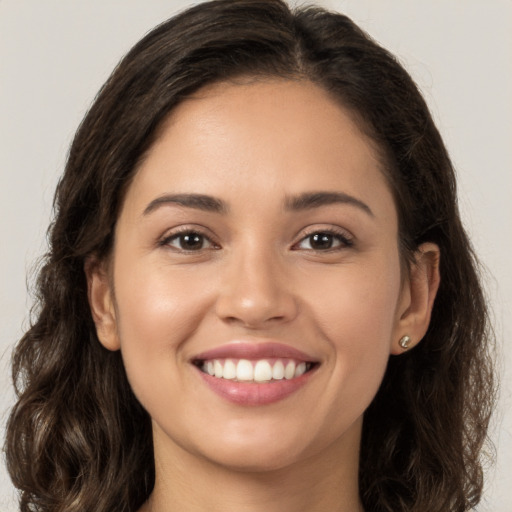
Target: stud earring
column 404, row 342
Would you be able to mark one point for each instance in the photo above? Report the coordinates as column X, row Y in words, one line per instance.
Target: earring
column 404, row 342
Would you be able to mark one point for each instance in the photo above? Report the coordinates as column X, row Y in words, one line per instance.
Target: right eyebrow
column 310, row 200
column 197, row 201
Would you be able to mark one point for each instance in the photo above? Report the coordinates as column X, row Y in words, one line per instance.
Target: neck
column 328, row 480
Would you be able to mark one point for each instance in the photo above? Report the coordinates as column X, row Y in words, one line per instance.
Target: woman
column 259, row 295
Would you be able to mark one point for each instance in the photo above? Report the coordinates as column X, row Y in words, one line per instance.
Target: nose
column 256, row 291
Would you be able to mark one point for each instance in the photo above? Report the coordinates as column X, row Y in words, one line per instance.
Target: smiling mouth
column 258, row 371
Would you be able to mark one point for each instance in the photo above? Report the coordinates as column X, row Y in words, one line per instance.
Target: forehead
column 260, row 137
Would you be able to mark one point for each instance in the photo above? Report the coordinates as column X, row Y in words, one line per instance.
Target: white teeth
column 217, row 368
column 244, row 370
column 262, row 371
column 229, row 370
column 256, row 371
column 289, row 371
column 278, row 370
column 300, row 370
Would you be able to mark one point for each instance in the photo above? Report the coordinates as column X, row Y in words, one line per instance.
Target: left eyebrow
column 196, row 201
column 310, row 200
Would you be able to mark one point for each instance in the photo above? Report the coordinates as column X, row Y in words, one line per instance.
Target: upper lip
column 252, row 350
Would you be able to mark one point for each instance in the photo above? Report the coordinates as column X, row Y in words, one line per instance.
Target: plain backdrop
column 55, row 54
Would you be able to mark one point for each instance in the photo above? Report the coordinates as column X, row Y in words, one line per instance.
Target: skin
column 253, row 145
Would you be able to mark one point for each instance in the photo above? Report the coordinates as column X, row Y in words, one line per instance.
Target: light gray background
column 55, row 54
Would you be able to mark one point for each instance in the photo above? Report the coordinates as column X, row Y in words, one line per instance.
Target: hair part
column 78, row 439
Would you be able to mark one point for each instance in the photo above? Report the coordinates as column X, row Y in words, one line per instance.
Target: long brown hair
column 78, row 440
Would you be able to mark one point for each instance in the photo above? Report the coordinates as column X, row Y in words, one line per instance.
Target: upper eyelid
column 334, row 230
column 188, row 228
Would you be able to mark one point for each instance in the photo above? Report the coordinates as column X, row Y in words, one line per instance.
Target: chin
column 254, row 460
column 263, row 450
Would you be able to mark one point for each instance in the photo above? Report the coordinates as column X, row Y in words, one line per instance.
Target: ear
column 101, row 302
column 417, row 297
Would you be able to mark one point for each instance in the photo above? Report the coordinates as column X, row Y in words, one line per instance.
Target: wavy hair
column 77, row 438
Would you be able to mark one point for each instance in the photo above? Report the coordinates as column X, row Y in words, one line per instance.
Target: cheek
column 357, row 302
column 157, row 302
column 156, row 311
column 355, row 313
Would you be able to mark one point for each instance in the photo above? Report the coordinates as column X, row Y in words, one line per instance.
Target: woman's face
column 257, row 241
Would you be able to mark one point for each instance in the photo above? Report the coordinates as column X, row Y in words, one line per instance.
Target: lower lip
column 252, row 393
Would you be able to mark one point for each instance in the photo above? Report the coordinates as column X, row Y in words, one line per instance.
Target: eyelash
column 180, row 232
column 344, row 240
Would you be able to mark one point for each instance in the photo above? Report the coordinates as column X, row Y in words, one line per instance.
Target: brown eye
column 323, row 241
column 188, row 241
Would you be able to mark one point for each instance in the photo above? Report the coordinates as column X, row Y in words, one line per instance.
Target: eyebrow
column 197, row 201
column 310, row 200
column 306, row 201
